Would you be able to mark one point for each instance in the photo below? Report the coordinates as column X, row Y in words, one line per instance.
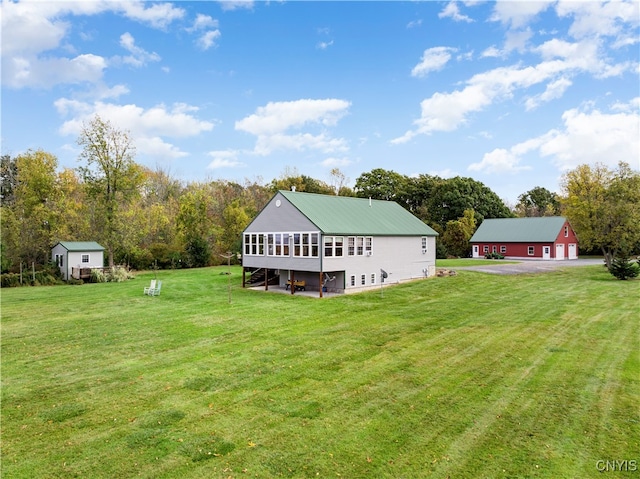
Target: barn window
column 485, row 249
column 353, row 280
column 566, row 231
column 531, row 250
column 373, row 278
column 351, row 245
column 503, row 249
column 85, row 258
column 60, row 260
column 363, row 279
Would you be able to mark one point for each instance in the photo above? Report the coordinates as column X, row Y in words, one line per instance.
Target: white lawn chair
column 150, row 287
column 155, row 291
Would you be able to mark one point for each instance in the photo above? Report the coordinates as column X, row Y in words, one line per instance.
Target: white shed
column 72, row 257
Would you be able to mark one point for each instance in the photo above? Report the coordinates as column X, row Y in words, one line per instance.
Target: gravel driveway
column 530, row 266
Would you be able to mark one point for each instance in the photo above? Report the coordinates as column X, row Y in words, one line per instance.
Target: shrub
column 623, row 268
column 98, row 276
column 118, row 274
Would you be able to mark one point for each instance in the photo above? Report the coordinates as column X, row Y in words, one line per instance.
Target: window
column 368, row 245
column 503, row 249
column 531, row 250
column 333, row 245
column 485, row 249
column 60, row 260
column 304, row 244
column 373, row 278
column 566, row 231
column 328, row 246
column 339, row 245
column 351, row 246
column 360, row 243
column 85, row 258
column 424, row 244
column 363, row 279
column 494, row 249
column 254, row 244
column 353, row 280
column 297, row 244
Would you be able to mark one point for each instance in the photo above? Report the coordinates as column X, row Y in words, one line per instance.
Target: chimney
column 369, row 201
column 293, row 188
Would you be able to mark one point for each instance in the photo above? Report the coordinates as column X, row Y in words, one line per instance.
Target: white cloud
column 23, row 72
column 587, row 137
column 277, row 117
column 336, row 162
column 224, row 159
column 271, row 125
column 148, row 127
column 324, row 45
column 414, row 23
column 590, row 137
column 31, row 28
column 139, row 57
column 561, row 61
column 158, row 15
column 227, row 5
column 208, row 39
column 203, row 22
column 433, row 59
column 555, row 89
column 517, row 14
column 595, row 19
column 452, row 11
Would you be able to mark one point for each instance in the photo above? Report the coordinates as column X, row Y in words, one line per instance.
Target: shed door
column 573, row 251
column 559, row 251
column 476, row 252
column 546, row 252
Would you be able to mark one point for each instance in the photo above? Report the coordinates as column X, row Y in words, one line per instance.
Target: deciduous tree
column 603, row 207
column 111, row 176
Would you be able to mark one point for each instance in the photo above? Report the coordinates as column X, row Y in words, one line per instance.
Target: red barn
column 547, row 238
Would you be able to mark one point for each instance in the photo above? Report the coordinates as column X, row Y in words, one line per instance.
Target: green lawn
column 468, row 376
column 460, row 262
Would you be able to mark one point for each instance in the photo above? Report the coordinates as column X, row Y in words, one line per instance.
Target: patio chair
column 150, row 287
column 156, row 291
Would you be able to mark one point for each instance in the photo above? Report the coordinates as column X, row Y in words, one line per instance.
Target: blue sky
column 510, row 93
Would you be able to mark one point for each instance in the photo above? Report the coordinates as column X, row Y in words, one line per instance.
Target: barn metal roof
column 519, row 230
column 81, row 246
column 346, row 215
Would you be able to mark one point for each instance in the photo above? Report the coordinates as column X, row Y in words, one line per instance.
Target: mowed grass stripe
column 468, row 376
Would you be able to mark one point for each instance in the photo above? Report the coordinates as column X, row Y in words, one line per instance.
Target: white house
column 343, row 244
column 74, row 256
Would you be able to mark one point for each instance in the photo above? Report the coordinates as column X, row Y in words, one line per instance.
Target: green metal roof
column 519, row 230
column 357, row 216
column 81, row 246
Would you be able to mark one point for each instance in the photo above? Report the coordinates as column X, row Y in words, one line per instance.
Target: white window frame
column 351, row 246
column 363, row 280
column 566, row 231
column 485, row 249
column 305, row 245
column 353, row 280
column 373, row 278
column 531, row 250
column 503, row 249
column 85, row 258
column 333, row 246
column 60, row 260
column 424, row 244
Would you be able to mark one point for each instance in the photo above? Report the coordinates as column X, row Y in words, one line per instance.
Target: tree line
column 146, row 218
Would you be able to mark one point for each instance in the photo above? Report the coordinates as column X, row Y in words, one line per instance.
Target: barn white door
column 546, row 252
column 476, row 251
column 559, row 251
column 573, row 251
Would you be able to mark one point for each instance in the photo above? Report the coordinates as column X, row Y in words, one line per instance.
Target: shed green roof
column 346, row 215
column 519, row 230
column 81, row 246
